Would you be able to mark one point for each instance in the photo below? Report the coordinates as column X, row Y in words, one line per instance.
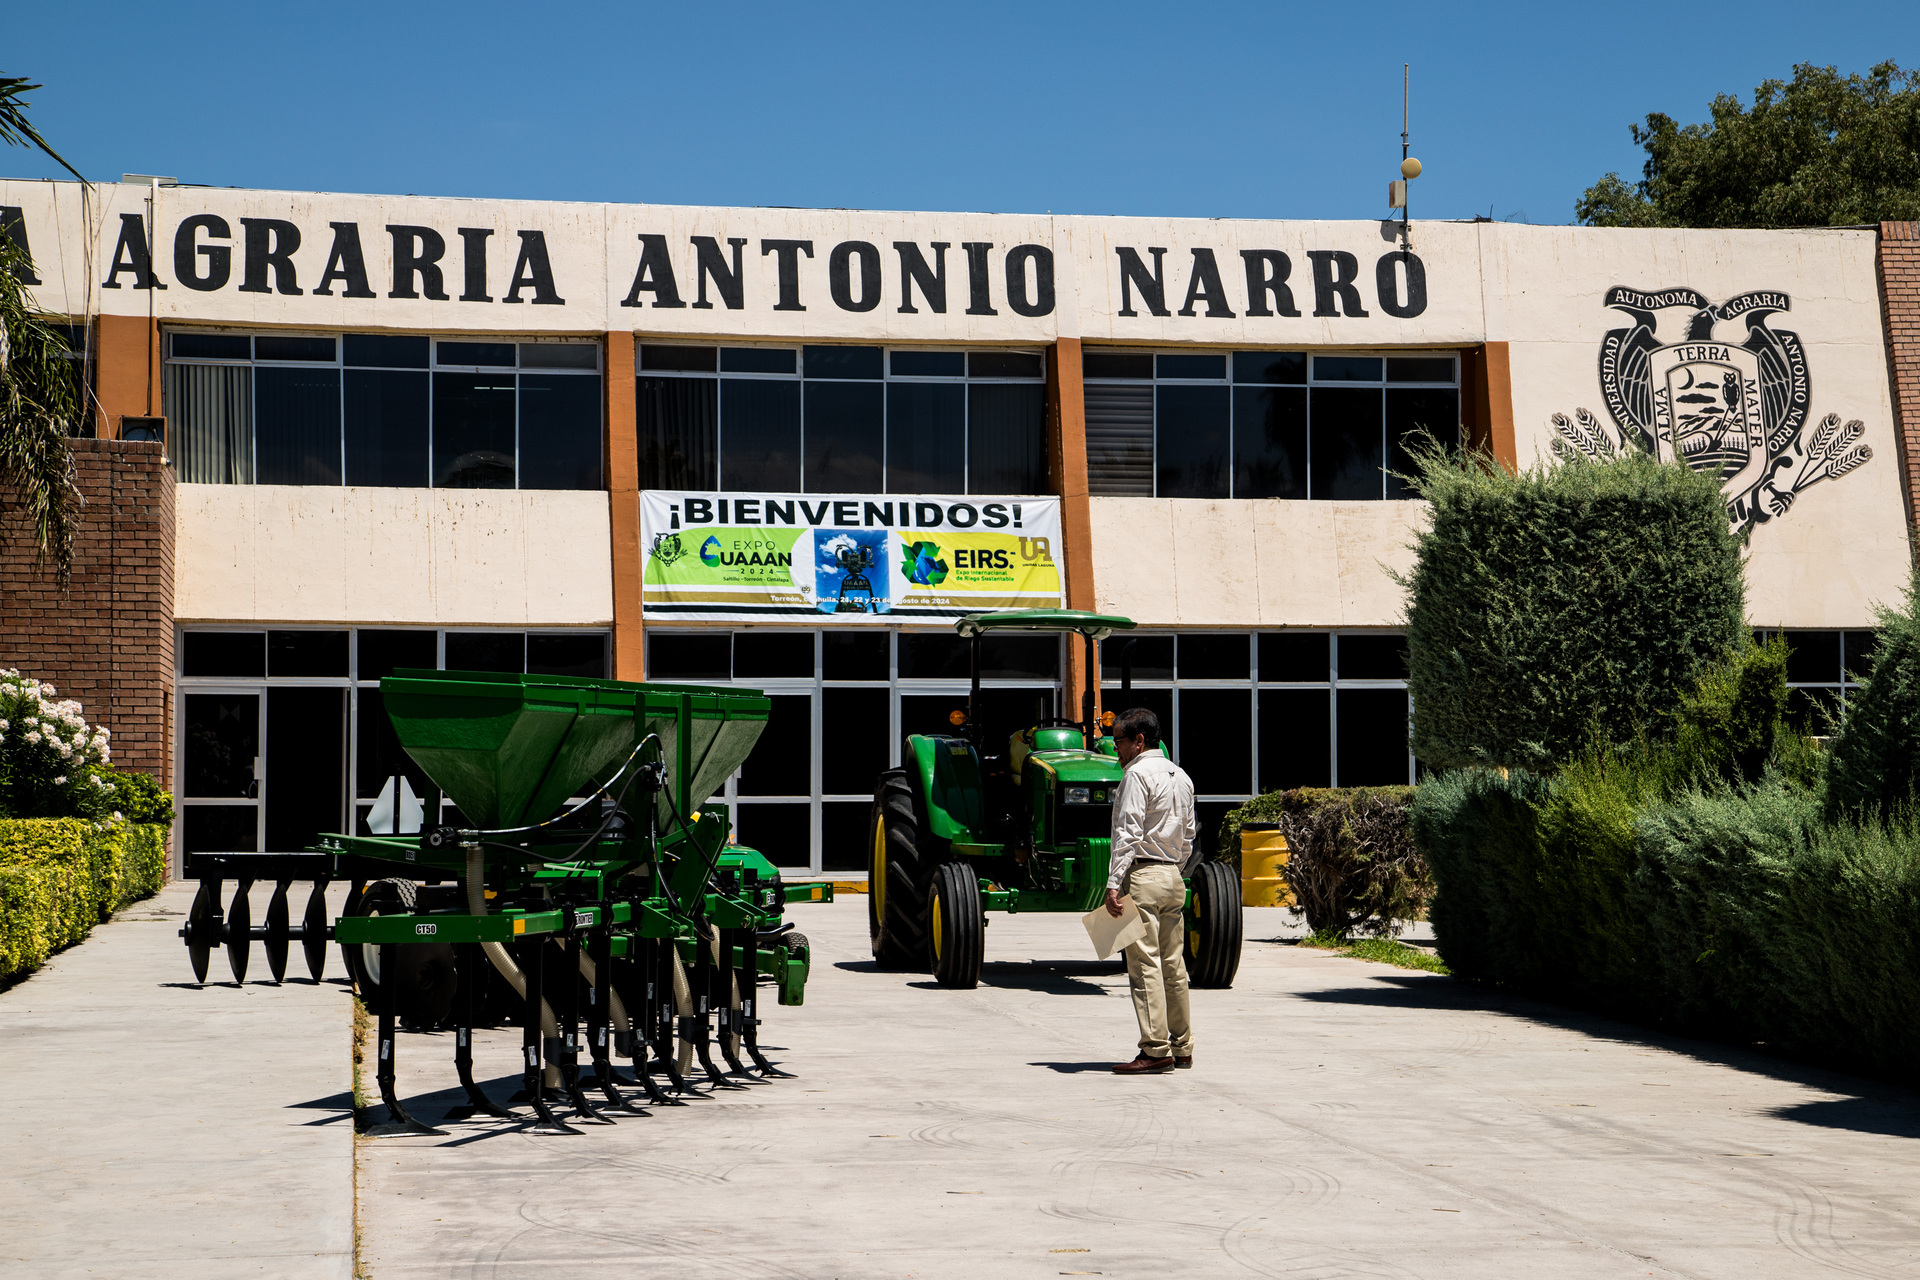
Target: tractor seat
column 1041, row 738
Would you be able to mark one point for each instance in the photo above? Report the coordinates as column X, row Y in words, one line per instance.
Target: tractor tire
column 1213, row 927
column 897, row 877
column 956, row 926
column 415, row 981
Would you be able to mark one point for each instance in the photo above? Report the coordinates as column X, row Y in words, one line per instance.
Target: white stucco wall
column 1268, row 562
column 451, row 557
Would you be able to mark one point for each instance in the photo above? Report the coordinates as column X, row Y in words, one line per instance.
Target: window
column 1824, row 669
column 1262, row 424
column 841, row 419
column 394, row 410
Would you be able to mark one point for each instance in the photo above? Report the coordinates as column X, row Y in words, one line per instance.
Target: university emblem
column 1735, row 408
column 666, row 547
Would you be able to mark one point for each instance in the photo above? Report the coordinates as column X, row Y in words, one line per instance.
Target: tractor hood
column 1078, row 765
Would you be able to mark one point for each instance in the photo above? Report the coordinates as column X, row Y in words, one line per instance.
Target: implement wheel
column 896, row 880
column 1213, row 927
column 956, row 926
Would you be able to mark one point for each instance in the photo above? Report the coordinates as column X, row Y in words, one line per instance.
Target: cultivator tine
column 695, row 1028
column 535, row 1077
column 599, row 1017
column 660, row 1026
column 750, row 1026
column 566, row 1050
column 277, row 933
column 239, row 931
column 202, row 930
column 313, row 930
column 465, row 959
column 726, row 983
column 643, row 1018
column 384, row 1075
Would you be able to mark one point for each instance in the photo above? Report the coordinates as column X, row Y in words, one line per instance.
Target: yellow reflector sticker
column 816, row 893
column 519, row 926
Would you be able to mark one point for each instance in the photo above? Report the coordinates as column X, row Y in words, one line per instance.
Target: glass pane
column 1191, row 439
column 1191, row 366
column 486, row 651
column 381, row 755
column 781, row 763
column 306, row 790
column 1346, row 443
column 859, row 738
column 1293, row 655
column 562, row 412
column 581, row 653
column 1419, row 368
column 559, row 355
column 675, row 359
column 1213, row 657
column 296, row 426
column 853, row 655
column 772, row 655
column 845, row 438
column 1411, row 417
column 1150, row 657
column 759, row 435
column 691, row 655
column 1373, row 657
column 212, row 346
column 1006, row 364
column 387, row 427
column 1006, row 439
column 1019, row 658
column 1216, row 739
column 935, row 656
column 843, row 836
column 1346, row 368
column 222, row 740
column 1373, row 737
column 783, row 832
column 387, row 351
column 1813, row 657
column 759, row 360
column 1288, row 367
column 1269, row 442
column 1207, row 816
column 384, row 652
column 1813, row 711
column 1113, row 364
column 1295, row 739
column 221, row 828
column 842, row 362
column 491, row 354
column 269, row 348
column 1158, row 701
column 473, row 433
column 931, row 713
column 306, row 653
column 926, row 436
column 679, row 426
column 1861, row 646
column 1003, row 713
column 928, row 364
column 211, row 407
column 1120, row 440
column 224, row 653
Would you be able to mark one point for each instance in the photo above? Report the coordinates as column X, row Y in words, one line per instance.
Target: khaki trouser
column 1156, row 967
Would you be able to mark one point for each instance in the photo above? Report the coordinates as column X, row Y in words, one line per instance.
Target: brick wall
column 1899, row 262
column 108, row 640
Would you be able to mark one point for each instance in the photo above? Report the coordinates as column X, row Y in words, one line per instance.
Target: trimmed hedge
column 61, row 876
column 1351, row 860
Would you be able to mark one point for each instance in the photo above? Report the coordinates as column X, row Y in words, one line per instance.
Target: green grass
column 1379, row 950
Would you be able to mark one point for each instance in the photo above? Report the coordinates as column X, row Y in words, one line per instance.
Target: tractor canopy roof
column 1096, row 625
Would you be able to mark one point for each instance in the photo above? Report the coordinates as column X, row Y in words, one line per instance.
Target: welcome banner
column 730, row 557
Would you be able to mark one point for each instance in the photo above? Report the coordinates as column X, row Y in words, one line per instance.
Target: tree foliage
column 1819, row 150
column 1875, row 757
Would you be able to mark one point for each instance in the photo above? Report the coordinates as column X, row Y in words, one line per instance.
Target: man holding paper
column 1153, row 830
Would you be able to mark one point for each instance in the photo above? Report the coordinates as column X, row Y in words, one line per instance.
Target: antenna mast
column 1406, row 85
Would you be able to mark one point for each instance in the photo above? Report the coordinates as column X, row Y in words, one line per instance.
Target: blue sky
column 1205, row 110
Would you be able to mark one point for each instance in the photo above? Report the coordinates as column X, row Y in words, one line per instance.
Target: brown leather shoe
column 1144, row 1066
column 1185, row 1064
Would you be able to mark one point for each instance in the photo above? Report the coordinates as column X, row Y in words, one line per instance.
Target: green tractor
column 968, row 827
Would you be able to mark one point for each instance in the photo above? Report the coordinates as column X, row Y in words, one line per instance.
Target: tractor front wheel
column 896, row 883
column 1213, row 927
column 956, row 926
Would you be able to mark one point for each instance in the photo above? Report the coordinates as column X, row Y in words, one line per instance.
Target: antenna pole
column 1406, row 206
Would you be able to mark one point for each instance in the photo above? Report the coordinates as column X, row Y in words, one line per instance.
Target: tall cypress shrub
column 1577, row 597
column 1874, row 760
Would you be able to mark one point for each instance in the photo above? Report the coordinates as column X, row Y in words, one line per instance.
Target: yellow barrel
column 1263, row 854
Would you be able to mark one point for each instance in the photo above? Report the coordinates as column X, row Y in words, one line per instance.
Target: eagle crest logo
column 1735, row 409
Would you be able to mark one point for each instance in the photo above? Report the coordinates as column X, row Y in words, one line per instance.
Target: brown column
column 1486, row 402
column 1067, row 454
column 623, row 500
column 127, row 372
column 1899, row 266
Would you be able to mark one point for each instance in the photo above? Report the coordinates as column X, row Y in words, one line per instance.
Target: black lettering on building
column 979, row 300
column 1267, row 272
column 131, row 255
column 417, row 251
column 270, row 242
column 840, row 275
column 1334, row 271
column 914, row 270
column 13, row 225
column 1205, row 286
column 345, row 263
column 1387, row 289
column 787, row 259
column 187, row 253
column 711, row 264
column 654, row 275
column 1040, row 301
column 1134, row 275
column 532, row 270
column 474, row 243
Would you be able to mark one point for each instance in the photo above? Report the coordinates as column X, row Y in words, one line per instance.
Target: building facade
column 786, row 448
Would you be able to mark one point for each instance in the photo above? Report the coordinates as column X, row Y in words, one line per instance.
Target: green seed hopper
column 578, row 838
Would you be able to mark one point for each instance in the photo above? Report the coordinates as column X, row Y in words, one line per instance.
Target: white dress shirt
column 1152, row 816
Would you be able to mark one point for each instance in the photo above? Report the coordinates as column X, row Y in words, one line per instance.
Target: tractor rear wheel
column 956, row 926
column 896, row 880
column 1213, row 927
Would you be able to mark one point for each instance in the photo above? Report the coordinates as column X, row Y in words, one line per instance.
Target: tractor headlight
column 1077, row 795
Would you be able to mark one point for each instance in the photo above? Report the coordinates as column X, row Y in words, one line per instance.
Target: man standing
column 1153, row 830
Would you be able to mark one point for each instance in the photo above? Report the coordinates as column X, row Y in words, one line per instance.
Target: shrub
column 1351, row 861
column 1874, row 759
column 53, row 764
column 1546, row 603
column 61, row 876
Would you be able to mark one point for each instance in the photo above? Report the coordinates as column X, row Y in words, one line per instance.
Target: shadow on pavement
column 1860, row 1115
column 1073, row 1068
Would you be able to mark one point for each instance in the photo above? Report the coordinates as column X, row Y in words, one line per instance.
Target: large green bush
column 61, row 876
column 1875, row 757
column 1572, row 597
column 1352, row 863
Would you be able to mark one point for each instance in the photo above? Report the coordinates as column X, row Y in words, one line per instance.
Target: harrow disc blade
column 203, row 923
column 239, row 931
column 276, row 940
column 314, row 939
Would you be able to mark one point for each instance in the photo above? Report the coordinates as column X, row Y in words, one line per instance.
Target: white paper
column 1110, row 932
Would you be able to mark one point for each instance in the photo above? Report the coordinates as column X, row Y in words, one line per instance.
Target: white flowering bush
column 53, row 764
